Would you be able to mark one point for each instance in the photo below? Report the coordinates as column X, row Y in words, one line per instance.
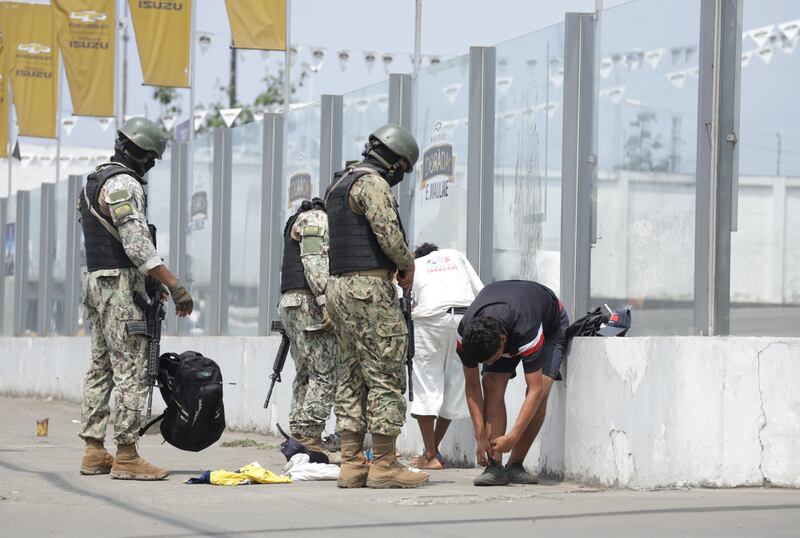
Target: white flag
column 229, row 115
column 46, row 159
column 204, row 40
column 761, row 35
column 451, row 92
column 369, row 60
column 557, row 76
column 504, row 84
column 746, row 57
column 614, row 94
column 766, row 54
column 199, row 116
column 790, row 29
column 653, row 57
column 105, row 123
column 787, row 45
column 606, row 66
column 677, row 78
column 387, row 60
column 68, row 124
column 317, row 56
column 168, row 120
column 344, row 56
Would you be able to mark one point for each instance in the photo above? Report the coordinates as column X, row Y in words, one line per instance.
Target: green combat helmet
column 399, row 141
column 145, row 135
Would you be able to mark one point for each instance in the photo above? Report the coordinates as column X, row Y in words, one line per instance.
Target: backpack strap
column 146, row 427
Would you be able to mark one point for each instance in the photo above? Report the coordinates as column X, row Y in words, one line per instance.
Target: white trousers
column 438, row 373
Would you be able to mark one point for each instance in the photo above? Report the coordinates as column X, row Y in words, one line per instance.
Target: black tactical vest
column 353, row 245
column 293, row 275
column 103, row 250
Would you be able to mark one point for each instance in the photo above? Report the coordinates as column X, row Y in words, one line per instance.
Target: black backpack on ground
column 191, row 386
column 588, row 325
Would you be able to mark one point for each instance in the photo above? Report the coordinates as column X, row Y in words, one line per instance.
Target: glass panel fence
column 58, row 229
column 29, row 324
column 439, row 185
column 644, row 254
column 199, row 249
column 301, row 161
column 9, row 265
column 364, row 111
column 245, row 229
column 527, row 189
column 765, row 248
column 158, row 202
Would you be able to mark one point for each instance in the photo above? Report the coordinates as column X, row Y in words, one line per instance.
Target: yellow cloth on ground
column 253, row 473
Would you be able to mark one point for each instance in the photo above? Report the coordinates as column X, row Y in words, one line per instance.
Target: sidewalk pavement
column 42, row 494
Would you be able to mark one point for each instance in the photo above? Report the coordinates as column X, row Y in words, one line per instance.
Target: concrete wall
column 632, row 412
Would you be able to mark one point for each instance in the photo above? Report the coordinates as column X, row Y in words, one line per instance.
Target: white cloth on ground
column 438, row 373
column 299, row 467
column 443, row 279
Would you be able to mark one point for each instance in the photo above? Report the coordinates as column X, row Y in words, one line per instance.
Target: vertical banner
column 3, row 98
column 257, row 24
column 32, row 63
column 86, row 36
column 163, row 37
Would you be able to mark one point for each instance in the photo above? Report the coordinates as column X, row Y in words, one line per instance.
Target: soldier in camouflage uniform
column 367, row 246
column 120, row 253
column 304, row 279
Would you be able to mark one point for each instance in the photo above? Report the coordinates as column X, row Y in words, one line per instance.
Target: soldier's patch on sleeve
column 122, row 210
column 312, row 240
column 119, row 196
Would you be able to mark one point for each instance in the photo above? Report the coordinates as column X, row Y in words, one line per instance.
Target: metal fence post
column 579, row 161
column 72, row 279
column 717, row 162
column 46, row 255
column 330, row 140
column 221, row 232
column 401, row 112
column 480, row 160
column 177, row 222
column 21, row 262
column 271, row 222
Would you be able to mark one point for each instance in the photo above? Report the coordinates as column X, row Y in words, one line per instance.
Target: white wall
column 632, row 412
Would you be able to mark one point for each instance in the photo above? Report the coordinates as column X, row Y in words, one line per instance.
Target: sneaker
column 517, row 474
column 493, row 475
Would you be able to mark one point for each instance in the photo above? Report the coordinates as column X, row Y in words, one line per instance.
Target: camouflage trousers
column 373, row 339
column 314, row 354
column 118, row 359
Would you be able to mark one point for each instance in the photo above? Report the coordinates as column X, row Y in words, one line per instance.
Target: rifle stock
column 280, row 359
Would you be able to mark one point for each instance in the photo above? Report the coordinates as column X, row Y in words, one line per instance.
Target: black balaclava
column 130, row 155
column 394, row 174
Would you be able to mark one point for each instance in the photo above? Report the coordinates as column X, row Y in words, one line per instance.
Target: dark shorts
column 548, row 360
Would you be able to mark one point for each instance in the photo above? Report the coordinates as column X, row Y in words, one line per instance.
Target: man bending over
column 510, row 322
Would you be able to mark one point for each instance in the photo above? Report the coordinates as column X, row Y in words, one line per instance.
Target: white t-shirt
column 442, row 279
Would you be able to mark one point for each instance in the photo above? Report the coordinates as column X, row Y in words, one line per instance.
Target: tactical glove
column 182, row 299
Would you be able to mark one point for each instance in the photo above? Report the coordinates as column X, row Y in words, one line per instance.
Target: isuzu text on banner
column 32, row 63
column 258, row 24
column 163, row 37
column 86, row 34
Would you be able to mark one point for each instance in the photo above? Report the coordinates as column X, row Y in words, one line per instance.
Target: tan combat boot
column 386, row 471
column 96, row 459
column 315, row 443
column 355, row 467
column 128, row 465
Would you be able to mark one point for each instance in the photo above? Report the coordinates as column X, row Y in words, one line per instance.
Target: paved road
column 42, row 494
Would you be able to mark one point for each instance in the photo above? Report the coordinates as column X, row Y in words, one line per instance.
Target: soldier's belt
column 304, row 291
column 382, row 273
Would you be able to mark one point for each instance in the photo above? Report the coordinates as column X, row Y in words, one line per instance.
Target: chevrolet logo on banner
column 33, row 48
column 88, row 15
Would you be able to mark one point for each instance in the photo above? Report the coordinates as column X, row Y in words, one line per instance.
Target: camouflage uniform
column 118, row 359
column 314, row 352
column 371, row 329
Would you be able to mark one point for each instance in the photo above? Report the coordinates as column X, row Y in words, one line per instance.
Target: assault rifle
column 280, row 358
column 405, row 307
column 150, row 303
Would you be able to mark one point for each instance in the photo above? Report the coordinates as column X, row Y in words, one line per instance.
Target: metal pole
column 72, row 284
column 125, row 38
column 192, row 70
column 418, row 36
column 778, row 164
column 287, row 61
column 221, row 231
column 271, row 221
column 330, row 155
column 58, row 118
column 401, row 113
column 480, row 160
column 579, row 161
column 717, row 162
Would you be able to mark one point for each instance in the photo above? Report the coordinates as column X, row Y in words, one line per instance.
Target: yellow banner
column 258, row 24
column 32, row 64
column 3, row 98
column 163, row 37
column 86, row 36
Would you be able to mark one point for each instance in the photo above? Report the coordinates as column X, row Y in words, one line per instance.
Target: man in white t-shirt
column 445, row 284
